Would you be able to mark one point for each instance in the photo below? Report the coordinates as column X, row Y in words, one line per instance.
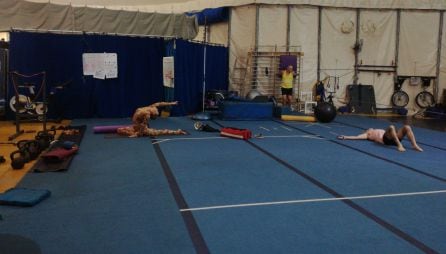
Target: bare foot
column 418, row 148
column 401, row 149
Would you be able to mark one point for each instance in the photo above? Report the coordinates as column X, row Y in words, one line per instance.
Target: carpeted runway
column 294, row 189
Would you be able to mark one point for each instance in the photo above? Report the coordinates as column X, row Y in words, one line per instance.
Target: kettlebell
column 21, row 144
column 53, row 132
column 44, row 138
column 33, row 148
column 23, row 149
column 17, row 161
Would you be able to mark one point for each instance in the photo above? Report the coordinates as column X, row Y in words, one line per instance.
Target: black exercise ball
column 325, row 112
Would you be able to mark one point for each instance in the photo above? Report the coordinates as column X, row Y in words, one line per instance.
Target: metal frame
column 267, row 57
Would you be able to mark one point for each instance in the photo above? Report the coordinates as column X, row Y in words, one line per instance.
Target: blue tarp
column 211, row 16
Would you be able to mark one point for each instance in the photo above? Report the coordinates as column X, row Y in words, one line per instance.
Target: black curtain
column 189, row 74
column 139, row 81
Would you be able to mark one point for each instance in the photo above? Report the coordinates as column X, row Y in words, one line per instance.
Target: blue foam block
column 23, row 197
column 242, row 110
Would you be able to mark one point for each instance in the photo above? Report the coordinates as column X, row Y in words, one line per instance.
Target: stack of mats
column 45, row 165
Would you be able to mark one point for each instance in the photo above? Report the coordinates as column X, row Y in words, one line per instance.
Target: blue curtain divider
column 139, row 81
column 189, row 74
column 169, row 92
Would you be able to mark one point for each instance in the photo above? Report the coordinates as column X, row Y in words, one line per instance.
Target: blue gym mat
column 293, row 189
column 23, row 197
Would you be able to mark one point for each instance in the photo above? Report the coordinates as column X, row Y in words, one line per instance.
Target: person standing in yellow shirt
column 287, row 85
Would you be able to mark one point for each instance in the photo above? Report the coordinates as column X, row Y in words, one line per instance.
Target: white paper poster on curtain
column 89, row 62
column 99, row 71
column 168, row 71
column 100, row 65
column 111, row 65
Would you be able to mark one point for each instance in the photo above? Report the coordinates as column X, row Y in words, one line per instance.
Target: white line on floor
column 288, row 129
column 160, row 141
column 313, row 200
column 318, row 124
column 157, row 141
column 334, row 133
column 173, row 139
column 294, row 136
column 261, row 127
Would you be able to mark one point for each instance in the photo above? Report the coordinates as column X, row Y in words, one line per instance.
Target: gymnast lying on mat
column 140, row 125
column 391, row 137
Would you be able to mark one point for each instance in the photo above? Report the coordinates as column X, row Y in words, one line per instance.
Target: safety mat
column 23, row 197
column 72, row 134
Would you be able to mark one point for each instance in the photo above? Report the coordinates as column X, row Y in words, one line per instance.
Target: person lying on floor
column 391, row 137
column 140, row 125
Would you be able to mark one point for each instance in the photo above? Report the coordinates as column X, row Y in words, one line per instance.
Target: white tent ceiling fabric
column 218, row 33
column 418, row 45
column 179, row 6
column 272, row 36
column 442, row 73
column 304, row 33
column 378, row 32
column 272, row 25
column 200, row 34
column 47, row 16
column 417, row 55
column 241, row 39
column 337, row 58
column 418, row 49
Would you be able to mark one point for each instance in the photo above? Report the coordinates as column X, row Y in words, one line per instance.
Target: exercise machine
column 26, row 102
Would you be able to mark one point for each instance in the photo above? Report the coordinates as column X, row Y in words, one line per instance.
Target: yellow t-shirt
column 287, row 80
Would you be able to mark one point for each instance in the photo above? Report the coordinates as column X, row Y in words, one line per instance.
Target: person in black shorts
column 391, row 137
column 286, row 87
